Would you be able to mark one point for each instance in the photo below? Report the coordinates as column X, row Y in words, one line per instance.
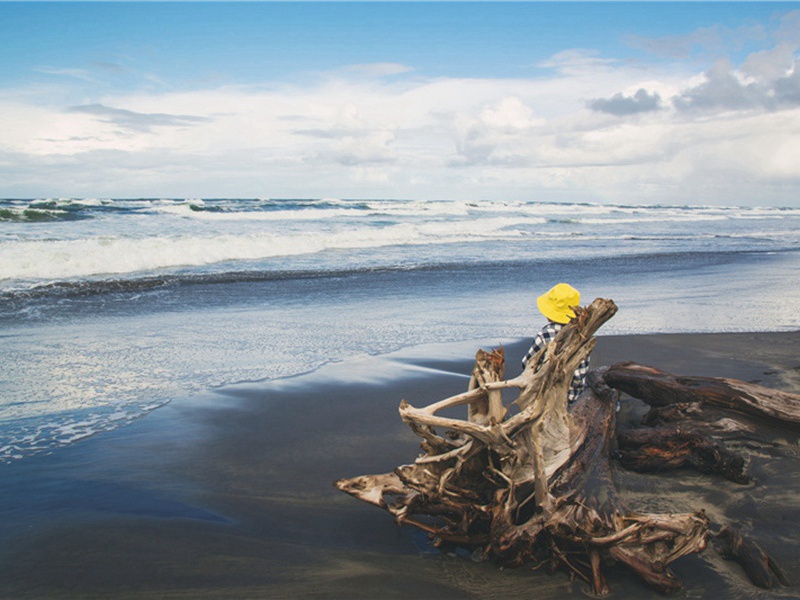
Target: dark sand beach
column 230, row 495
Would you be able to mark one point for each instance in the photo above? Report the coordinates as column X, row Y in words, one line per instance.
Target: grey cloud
column 621, row 106
column 714, row 40
column 678, row 46
column 766, row 80
column 74, row 138
column 789, row 29
column 722, row 90
column 769, row 65
column 142, row 122
column 787, row 89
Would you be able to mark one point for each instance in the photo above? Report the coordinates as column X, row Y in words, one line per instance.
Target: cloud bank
column 583, row 127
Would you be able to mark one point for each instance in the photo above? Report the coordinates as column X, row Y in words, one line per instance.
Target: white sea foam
column 110, row 255
column 187, row 212
column 62, row 202
column 676, row 218
column 44, row 435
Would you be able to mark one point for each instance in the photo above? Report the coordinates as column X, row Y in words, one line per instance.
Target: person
column 556, row 305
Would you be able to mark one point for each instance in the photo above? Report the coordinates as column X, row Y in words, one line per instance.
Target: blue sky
column 602, row 101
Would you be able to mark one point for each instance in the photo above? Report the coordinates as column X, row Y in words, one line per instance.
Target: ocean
column 110, row 308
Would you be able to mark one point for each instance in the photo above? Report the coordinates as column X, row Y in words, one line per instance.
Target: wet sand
column 230, row 495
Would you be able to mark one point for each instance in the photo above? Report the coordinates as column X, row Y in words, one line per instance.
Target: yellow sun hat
column 556, row 304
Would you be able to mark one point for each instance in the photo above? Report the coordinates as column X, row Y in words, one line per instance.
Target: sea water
column 110, row 308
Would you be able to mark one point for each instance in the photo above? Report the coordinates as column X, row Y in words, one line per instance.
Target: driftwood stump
column 532, row 482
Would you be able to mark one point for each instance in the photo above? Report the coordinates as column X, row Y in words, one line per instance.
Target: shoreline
column 229, row 495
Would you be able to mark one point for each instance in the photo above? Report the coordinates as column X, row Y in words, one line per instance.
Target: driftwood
column 659, row 388
column 532, row 481
column 689, row 422
column 691, row 418
column 762, row 570
column 668, row 448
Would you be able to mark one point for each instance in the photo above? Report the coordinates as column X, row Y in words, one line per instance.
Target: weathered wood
column 659, row 388
column 760, row 568
column 666, row 448
column 711, row 418
column 692, row 416
column 488, row 407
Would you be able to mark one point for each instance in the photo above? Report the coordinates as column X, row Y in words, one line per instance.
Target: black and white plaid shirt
column 544, row 337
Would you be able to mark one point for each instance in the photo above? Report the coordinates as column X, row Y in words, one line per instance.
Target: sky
column 619, row 102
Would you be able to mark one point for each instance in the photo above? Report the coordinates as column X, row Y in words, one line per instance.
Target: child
column 556, row 305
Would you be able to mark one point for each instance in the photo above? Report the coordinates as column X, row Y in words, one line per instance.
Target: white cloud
column 586, row 130
column 500, row 133
column 577, row 61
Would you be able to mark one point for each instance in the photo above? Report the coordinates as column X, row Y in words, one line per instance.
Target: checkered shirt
column 544, row 337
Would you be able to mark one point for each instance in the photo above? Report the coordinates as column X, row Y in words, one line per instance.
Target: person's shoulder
column 551, row 327
column 548, row 332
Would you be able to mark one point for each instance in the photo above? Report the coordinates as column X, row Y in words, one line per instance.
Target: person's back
column 557, row 306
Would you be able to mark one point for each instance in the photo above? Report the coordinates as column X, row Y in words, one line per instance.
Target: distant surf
column 52, row 240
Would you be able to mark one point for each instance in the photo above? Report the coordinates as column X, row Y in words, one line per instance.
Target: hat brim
column 552, row 312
